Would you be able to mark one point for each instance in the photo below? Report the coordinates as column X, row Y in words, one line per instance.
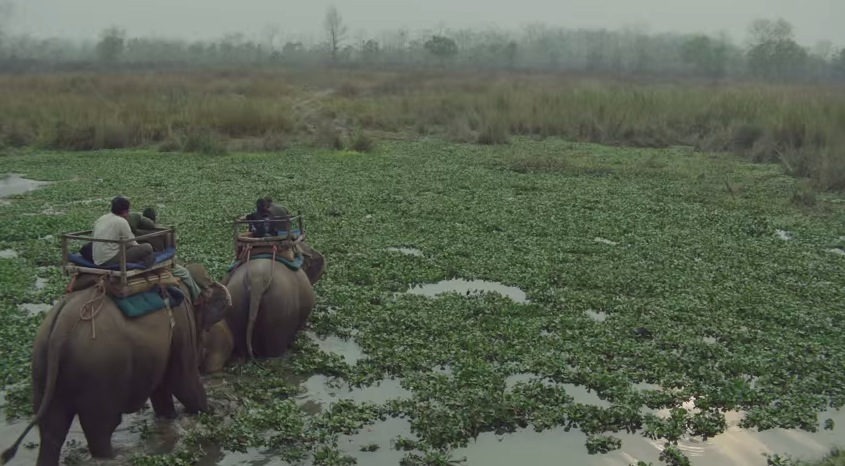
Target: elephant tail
column 54, row 352
column 254, row 293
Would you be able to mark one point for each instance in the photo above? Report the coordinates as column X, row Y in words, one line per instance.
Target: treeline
column 771, row 52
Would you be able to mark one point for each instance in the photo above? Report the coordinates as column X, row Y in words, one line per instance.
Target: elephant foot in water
column 98, row 433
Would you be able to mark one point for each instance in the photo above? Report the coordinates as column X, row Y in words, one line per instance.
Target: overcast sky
column 814, row 20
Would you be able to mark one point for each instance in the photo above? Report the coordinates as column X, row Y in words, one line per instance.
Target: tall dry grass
column 802, row 127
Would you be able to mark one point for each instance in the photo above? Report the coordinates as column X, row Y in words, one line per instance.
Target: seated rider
column 261, row 229
column 145, row 224
column 114, row 226
column 278, row 212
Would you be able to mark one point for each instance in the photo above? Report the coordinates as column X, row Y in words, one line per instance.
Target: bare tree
column 335, row 30
column 270, row 33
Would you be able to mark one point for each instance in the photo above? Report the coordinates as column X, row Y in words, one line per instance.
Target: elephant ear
column 216, row 305
column 199, row 274
column 314, row 264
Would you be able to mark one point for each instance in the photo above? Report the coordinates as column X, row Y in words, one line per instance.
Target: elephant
column 90, row 360
column 217, row 348
column 271, row 297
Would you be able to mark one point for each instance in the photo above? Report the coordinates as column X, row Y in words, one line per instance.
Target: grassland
column 210, row 112
column 678, row 249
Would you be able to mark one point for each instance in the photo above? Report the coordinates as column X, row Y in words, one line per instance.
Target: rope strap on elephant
column 141, row 304
column 92, row 307
column 246, row 254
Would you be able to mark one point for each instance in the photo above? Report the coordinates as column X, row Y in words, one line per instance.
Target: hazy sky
column 814, row 20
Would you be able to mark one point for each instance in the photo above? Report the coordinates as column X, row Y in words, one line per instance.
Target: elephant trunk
column 54, row 352
column 256, row 291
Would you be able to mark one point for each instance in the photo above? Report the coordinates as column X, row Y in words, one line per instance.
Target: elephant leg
column 162, row 401
column 184, row 377
column 98, row 427
column 53, row 430
column 191, row 393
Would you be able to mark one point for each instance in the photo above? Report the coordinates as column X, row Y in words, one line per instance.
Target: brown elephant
column 218, row 345
column 90, row 360
column 268, row 296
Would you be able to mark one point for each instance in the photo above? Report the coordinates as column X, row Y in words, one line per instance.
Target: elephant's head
column 314, row 263
column 214, row 303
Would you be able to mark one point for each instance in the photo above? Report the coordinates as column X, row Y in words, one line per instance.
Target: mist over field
column 814, row 20
column 778, row 40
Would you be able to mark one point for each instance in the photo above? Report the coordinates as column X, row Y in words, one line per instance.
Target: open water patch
column 35, row 309
column 407, row 251
column 347, row 348
column 598, row 316
column 130, row 437
column 13, row 183
column 605, row 241
column 468, row 287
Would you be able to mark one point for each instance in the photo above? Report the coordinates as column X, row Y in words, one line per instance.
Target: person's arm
column 126, row 233
column 145, row 224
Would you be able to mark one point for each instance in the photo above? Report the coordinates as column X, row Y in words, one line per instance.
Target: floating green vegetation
column 695, row 275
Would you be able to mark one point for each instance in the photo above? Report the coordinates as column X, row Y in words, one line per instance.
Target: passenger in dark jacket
column 280, row 214
column 262, row 212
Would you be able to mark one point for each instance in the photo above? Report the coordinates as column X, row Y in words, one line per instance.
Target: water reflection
column 462, row 286
column 407, row 251
column 13, row 183
column 8, row 254
column 735, row 447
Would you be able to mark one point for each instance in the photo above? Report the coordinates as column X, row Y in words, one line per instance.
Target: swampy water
column 140, row 432
column 8, row 254
column 735, row 447
column 462, row 286
column 406, row 251
column 13, row 183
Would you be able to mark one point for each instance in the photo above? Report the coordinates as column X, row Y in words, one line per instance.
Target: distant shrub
column 114, row 135
column 745, row 136
column 171, row 144
column 328, row 136
column 362, row 142
column 494, row 132
column 348, row 90
column 273, row 142
column 793, row 125
column 804, row 194
column 205, row 142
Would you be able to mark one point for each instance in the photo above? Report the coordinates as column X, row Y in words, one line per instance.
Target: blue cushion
column 77, row 259
column 141, row 304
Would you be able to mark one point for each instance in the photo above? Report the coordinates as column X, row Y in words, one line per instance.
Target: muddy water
column 12, row 184
column 320, row 393
column 735, row 447
column 40, row 283
column 127, row 439
column 460, row 285
column 407, row 251
column 784, row 235
column 598, row 316
column 35, row 308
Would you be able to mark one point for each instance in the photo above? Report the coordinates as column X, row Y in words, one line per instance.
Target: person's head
column 150, row 213
column 120, row 206
column 261, row 205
